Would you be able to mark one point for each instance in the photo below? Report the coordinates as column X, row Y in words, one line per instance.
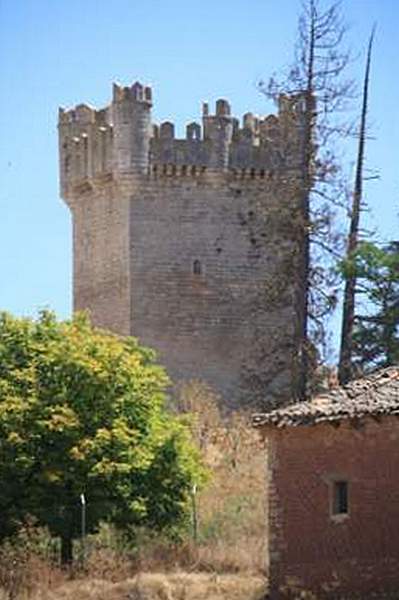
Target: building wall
column 232, row 325
column 146, row 206
column 345, row 556
column 101, row 257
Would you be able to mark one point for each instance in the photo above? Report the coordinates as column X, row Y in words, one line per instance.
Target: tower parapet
column 121, row 139
column 94, row 144
column 85, row 142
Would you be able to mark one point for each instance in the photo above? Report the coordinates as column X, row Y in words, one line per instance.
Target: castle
column 192, row 245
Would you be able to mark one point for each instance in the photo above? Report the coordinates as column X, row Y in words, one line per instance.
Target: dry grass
column 231, row 508
column 25, row 568
column 153, row 586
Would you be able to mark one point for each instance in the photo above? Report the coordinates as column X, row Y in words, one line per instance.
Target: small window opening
column 197, row 268
column 340, row 498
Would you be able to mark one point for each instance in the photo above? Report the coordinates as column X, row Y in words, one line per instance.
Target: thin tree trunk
column 348, row 311
column 66, row 551
column 307, row 151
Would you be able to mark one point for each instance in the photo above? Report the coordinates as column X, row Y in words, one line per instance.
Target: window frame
column 197, row 268
column 340, row 498
column 333, row 481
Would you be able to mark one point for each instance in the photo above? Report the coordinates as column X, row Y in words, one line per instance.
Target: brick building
column 193, row 245
column 333, row 492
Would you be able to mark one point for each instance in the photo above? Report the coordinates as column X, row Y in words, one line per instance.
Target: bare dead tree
column 348, row 310
column 317, row 75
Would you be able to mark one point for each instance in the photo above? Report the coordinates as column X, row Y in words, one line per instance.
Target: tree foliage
column 82, row 411
column 376, row 324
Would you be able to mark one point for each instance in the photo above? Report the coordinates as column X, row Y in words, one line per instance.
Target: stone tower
column 192, row 245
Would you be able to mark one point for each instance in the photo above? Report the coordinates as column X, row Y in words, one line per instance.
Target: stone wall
column 354, row 555
column 190, row 245
column 101, row 275
column 212, row 282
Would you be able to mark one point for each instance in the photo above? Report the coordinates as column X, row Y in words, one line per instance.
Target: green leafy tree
column 82, row 411
column 376, row 323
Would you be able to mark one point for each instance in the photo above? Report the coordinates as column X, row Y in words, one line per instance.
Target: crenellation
column 121, row 138
column 155, row 131
column 193, row 131
column 84, row 114
column 180, row 241
column 236, row 128
column 269, row 130
column 249, row 123
column 167, row 131
column 223, row 108
column 85, row 146
column 102, row 117
column 136, row 93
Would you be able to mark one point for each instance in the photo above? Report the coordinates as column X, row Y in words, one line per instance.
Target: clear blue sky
column 62, row 52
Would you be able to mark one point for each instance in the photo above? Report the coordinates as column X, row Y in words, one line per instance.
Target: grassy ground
column 153, row 586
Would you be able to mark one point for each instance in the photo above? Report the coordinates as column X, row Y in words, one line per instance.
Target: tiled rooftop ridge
column 376, row 394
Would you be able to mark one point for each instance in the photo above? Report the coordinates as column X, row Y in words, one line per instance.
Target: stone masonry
column 192, row 245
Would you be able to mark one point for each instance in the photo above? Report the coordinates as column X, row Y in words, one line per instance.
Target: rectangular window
column 340, row 498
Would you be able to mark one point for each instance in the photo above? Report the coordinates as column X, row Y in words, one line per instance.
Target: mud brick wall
column 354, row 555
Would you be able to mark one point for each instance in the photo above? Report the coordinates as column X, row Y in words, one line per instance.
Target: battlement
column 85, row 145
column 135, row 93
column 121, row 138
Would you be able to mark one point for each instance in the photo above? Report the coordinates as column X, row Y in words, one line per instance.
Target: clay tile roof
column 376, row 395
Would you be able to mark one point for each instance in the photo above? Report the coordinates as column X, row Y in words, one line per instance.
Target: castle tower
column 218, row 130
column 192, row 245
column 131, row 116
